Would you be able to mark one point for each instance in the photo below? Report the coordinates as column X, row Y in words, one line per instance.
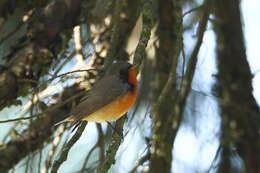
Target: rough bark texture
column 170, row 35
column 39, row 132
column 32, row 56
column 25, row 64
column 167, row 122
column 122, row 27
column 240, row 113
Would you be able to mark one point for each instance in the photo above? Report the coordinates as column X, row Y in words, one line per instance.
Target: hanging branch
column 146, row 32
column 68, row 146
column 32, row 55
column 166, row 124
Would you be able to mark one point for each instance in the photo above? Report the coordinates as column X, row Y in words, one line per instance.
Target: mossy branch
column 147, row 13
column 114, row 145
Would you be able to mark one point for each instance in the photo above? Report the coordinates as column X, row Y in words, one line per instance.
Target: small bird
column 110, row 97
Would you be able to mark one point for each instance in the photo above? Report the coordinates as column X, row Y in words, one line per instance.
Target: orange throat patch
column 118, row 107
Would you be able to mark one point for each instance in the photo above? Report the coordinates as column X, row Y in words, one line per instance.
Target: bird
column 109, row 98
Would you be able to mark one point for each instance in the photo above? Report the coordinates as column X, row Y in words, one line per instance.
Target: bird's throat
column 132, row 78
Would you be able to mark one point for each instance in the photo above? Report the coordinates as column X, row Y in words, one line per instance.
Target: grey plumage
column 102, row 93
column 112, row 86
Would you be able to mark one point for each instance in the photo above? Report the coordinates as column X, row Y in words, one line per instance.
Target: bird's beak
column 135, row 66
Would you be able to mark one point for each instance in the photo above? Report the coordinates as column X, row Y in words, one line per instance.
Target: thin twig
column 68, row 146
column 115, row 130
column 100, row 144
column 56, row 140
column 217, row 155
column 88, row 157
column 141, row 162
column 61, row 75
column 75, row 71
column 40, row 160
column 184, row 61
column 194, row 56
column 47, row 110
column 192, row 10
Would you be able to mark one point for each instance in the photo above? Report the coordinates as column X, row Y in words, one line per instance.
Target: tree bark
column 240, row 112
column 170, row 36
column 39, row 131
column 33, row 54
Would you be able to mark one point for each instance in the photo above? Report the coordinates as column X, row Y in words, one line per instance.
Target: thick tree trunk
column 240, row 113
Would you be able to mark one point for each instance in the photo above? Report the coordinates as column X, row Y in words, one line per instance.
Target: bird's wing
column 101, row 94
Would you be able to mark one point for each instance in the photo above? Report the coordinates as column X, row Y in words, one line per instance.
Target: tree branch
column 68, row 146
column 33, row 54
column 166, row 123
column 114, row 145
column 240, row 112
column 36, row 134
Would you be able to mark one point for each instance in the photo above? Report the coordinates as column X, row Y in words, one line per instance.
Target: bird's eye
column 129, row 66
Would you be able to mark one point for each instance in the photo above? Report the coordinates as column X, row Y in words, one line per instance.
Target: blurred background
column 197, row 108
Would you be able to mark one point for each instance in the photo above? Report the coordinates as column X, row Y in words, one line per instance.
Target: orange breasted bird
column 110, row 97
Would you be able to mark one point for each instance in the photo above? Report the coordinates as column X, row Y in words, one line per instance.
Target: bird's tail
column 74, row 125
column 63, row 121
column 60, row 122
